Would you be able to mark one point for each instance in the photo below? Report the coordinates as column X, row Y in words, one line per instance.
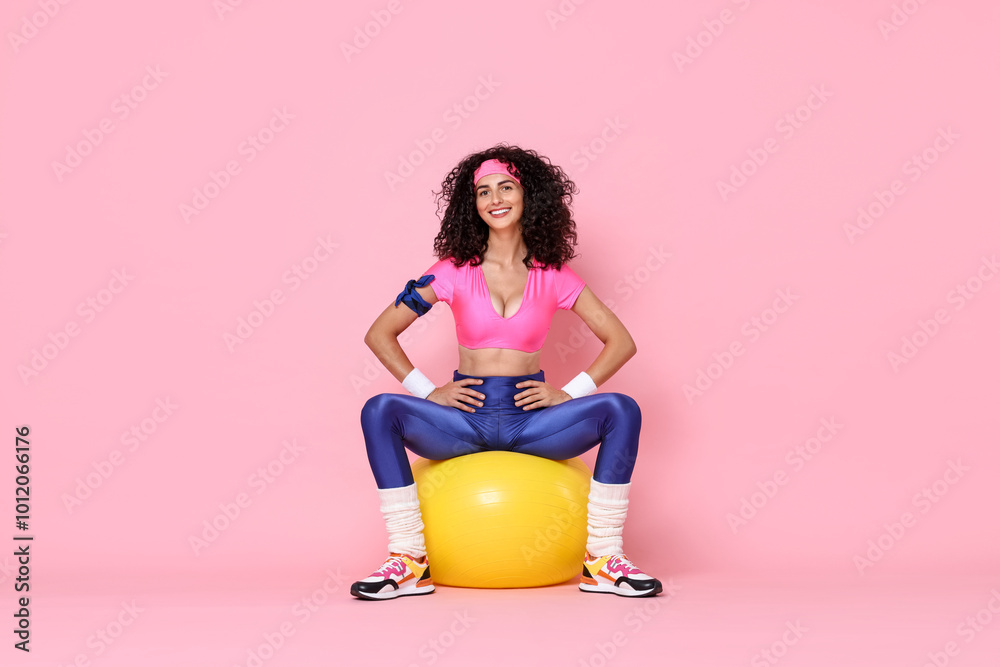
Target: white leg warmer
column 401, row 509
column 606, row 508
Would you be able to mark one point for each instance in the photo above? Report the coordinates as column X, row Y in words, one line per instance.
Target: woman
column 505, row 240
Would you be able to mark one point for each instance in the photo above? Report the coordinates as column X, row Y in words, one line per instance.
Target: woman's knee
column 378, row 408
column 625, row 406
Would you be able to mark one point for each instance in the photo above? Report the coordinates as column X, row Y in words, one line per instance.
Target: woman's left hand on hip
column 538, row 394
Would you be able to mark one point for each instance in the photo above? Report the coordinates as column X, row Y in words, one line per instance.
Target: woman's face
column 500, row 194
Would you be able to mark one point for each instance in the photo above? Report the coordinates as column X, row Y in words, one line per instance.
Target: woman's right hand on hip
column 458, row 394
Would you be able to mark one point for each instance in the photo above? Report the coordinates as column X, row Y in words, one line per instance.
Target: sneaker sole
column 601, row 587
column 392, row 593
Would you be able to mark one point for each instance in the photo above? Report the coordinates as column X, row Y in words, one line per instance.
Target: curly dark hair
column 546, row 224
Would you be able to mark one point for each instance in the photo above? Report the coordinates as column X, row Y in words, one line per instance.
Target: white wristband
column 417, row 384
column 581, row 385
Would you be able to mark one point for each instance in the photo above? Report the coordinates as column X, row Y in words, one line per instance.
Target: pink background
column 600, row 91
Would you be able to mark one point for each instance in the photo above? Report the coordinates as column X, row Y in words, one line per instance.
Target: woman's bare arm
column 618, row 344
column 383, row 333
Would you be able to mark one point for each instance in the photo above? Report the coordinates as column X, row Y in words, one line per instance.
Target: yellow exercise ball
column 502, row 519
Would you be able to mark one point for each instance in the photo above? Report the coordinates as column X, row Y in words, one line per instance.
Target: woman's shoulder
column 446, row 263
column 563, row 280
column 446, row 268
column 554, row 270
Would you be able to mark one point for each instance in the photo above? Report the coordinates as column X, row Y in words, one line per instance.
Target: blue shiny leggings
column 392, row 422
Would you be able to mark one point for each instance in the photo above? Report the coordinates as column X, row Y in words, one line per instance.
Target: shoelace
column 394, row 565
column 623, row 564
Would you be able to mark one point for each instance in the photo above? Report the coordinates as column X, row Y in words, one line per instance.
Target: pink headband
column 494, row 167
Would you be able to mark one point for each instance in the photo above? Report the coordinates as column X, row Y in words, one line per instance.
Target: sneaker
column 616, row 574
column 399, row 575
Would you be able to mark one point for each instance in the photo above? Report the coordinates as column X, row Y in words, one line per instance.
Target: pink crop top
column 477, row 322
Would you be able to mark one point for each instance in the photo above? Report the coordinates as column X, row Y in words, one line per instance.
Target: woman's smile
column 498, row 197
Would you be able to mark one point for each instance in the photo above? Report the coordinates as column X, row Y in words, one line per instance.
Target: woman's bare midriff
column 497, row 361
